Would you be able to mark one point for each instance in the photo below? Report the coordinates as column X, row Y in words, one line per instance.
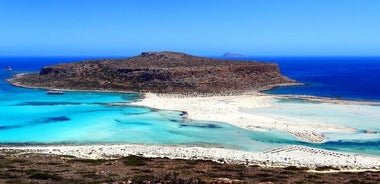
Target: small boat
column 54, row 92
column 9, row 68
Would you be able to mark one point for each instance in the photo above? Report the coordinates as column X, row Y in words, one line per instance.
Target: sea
column 350, row 78
column 30, row 116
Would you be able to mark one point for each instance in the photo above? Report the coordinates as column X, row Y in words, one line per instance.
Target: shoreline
column 16, row 84
column 259, row 92
column 299, row 156
column 198, row 108
column 308, row 134
column 326, row 99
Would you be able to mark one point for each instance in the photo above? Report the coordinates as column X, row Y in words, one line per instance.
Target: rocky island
column 159, row 72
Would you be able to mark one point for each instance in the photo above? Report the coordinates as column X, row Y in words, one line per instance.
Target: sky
column 199, row 27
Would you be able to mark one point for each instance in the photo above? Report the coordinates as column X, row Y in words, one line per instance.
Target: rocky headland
column 159, row 72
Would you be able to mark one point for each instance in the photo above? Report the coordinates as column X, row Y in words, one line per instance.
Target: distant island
column 160, row 72
column 233, row 55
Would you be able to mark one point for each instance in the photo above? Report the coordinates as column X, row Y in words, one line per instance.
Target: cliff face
column 167, row 72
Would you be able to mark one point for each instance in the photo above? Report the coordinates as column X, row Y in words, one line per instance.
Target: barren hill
column 163, row 72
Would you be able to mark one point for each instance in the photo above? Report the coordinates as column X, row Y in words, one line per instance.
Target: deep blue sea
column 352, row 78
column 31, row 116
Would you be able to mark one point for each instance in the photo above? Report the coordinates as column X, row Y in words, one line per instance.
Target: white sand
column 284, row 156
column 229, row 109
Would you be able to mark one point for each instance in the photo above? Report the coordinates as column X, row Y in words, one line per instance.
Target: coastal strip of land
column 232, row 109
column 299, row 156
column 228, row 108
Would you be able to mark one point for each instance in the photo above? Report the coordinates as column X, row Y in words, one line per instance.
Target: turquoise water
column 361, row 117
column 29, row 116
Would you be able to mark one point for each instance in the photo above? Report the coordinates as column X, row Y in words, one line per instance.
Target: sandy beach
column 279, row 157
column 232, row 109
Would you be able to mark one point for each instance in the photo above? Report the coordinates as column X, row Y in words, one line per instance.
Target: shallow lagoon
column 361, row 117
column 29, row 116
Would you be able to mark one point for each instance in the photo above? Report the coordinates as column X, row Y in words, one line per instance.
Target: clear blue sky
column 200, row 27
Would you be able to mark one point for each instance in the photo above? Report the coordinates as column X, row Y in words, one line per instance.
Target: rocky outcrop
column 165, row 72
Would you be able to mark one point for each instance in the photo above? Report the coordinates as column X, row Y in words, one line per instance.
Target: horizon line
column 214, row 56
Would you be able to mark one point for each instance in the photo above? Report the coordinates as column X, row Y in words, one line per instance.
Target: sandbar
column 231, row 109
